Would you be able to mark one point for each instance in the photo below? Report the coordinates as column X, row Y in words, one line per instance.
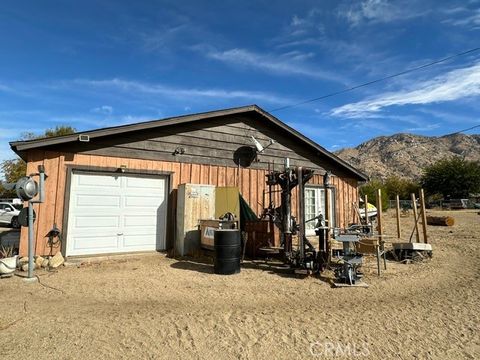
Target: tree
column 395, row 185
column 14, row 169
column 455, row 178
column 370, row 189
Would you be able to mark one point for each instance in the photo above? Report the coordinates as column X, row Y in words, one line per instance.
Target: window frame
column 319, row 194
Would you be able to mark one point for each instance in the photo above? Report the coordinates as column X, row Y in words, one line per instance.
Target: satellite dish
column 260, row 148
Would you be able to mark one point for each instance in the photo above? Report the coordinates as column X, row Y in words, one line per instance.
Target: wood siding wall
column 214, row 142
column 251, row 183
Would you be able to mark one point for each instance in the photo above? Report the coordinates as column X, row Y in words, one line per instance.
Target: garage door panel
column 138, row 240
column 97, row 200
column 143, row 183
column 139, row 220
column 97, row 222
column 99, row 181
column 142, row 201
column 91, row 244
column 123, row 213
column 142, row 230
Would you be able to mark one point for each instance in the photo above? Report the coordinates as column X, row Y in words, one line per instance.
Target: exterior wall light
column 179, row 151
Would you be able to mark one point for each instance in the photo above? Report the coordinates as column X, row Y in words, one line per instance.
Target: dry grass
column 155, row 307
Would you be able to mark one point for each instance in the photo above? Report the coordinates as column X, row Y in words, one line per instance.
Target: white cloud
column 9, row 133
column 141, row 88
column 311, row 23
column 291, row 63
column 452, row 117
column 454, row 85
column 8, row 89
column 132, row 119
column 378, row 11
column 467, row 18
column 308, row 30
column 423, row 128
column 5, row 88
column 103, row 110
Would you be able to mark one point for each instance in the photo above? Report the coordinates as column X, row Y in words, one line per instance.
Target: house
column 113, row 190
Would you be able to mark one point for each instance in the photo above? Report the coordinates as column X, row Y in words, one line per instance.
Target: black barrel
column 228, row 249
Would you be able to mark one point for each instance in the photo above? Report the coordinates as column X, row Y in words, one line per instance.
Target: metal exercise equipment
column 305, row 255
column 348, row 272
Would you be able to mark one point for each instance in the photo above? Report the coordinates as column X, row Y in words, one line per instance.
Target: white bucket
column 8, row 265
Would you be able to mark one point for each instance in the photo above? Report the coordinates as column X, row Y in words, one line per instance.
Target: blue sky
column 92, row 64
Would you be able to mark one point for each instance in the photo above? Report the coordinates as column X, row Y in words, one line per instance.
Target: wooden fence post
column 399, row 232
column 365, row 205
column 415, row 216
column 424, row 216
column 381, row 242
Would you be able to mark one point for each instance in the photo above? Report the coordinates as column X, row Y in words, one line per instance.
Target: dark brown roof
column 20, row 147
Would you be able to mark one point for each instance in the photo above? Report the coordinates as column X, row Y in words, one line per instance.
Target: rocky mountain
column 405, row 155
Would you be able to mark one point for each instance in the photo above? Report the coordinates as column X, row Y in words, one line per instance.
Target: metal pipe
column 41, row 199
column 269, row 187
column 286, row 201
column 301, row 213
column 41, row 190
column 30, row 240
column 287, row 213
column 328, row 219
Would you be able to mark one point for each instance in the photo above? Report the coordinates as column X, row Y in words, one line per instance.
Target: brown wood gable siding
column 251, row 183
column 213, row 142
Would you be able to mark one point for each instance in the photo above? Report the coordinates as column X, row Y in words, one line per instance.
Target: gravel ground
column 154, row 307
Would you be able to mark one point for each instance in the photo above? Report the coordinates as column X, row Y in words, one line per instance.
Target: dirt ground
column 160, row 308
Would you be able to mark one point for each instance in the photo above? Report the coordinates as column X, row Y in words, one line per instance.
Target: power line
column 463, row 130
column 377, row 80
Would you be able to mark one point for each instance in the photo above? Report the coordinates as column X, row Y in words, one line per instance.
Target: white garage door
column 116, row 213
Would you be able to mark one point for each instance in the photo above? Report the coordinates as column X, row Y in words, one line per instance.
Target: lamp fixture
column 179, row 151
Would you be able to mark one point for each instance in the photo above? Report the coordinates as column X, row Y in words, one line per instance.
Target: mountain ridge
column 406, row 155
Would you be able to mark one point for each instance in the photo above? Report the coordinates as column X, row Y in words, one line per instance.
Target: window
column 315, row 205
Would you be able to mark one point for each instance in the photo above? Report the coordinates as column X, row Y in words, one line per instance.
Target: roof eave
column 20, row 147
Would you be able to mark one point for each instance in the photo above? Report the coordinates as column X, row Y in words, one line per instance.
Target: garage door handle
column 119, row 233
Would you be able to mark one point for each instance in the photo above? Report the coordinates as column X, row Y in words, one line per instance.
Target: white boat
column 371, row 210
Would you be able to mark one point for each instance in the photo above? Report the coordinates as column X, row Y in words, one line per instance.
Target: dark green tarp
column 246, row 213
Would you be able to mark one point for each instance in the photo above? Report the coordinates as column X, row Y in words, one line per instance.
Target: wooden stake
column 381, row 242
column 366, row 209
column 424, row 216
column 399, row 232
column 415, row 216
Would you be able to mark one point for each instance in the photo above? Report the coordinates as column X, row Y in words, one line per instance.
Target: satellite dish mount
column 259, row 147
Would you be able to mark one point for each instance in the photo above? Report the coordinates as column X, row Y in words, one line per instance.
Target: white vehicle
column 9, row 214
